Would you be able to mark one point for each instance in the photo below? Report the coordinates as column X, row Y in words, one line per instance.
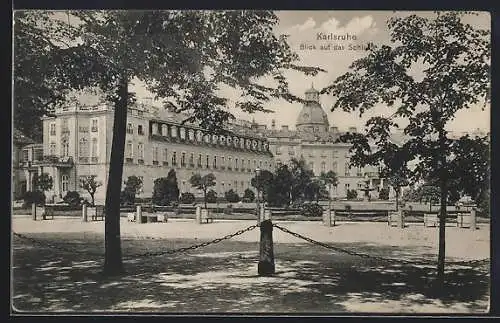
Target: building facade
column 77, row 143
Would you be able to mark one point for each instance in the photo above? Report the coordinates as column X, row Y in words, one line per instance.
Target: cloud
column 356, row 25
column 308, row 24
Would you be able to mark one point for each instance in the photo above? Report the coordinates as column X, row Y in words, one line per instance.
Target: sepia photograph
column 250, row 161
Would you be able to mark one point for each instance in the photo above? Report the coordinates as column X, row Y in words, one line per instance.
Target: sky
column 365, row 26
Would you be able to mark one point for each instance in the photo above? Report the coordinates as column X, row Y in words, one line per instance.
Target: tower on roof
column 312, row 118
column 312, row 94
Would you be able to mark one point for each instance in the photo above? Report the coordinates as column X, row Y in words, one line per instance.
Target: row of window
column 192, row 160
column 82, row 128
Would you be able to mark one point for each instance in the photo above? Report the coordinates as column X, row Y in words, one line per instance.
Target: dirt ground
column 61, row 269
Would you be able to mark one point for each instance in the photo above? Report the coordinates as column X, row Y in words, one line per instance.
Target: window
column 140, row 131
column 174, row 159
column 346, row 187
column 84, row 148
column 52, row 129
column 311, row 166
column 52, row 149
column 164, row 130
column 64, row 183
column 173, row 129
column 183, row 159
column 334, row 167
column 222, row 161
column 199, row 160
column 215, row 162
column 93, row 126
column 65, row 128
column 155, row 153
column 323, row 166
column 207, row 164
column 291, row 151
column 130, row 128
column 130, row 149
column 236, row 186
column 183, row 133
column 65, row 148
column 236, row 163
column 359, row 171
column 93, row 150
column 229, row 163
column 335, row 154
column 347, row 169
column 260, row 163
column 140, row 150
column 278, row 150
column 165, row 154
column 154, row 128
column 25, row 155
column 191, row 160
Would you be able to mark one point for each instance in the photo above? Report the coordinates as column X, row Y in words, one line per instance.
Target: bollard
column 332, row 217
column 198, row 215
column 401, row 219
column 261, row 212
column 327, row 218
column 266, row 253
column 84, row 213
column 267, row 214
column 33, row 211
column 138, row 214
column 473, row 219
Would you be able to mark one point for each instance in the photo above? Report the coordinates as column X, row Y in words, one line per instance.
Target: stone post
column 33, row 211
column 473, row 219
column 267, row 214
column 138, row 214
column 401, row 220
column 261, row 212
column 84, row 213
column 327, row 218
column 198, row 215
column 332, row 216
column 266, row 252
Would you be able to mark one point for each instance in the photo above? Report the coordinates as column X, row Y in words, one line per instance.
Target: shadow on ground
column 223, row 278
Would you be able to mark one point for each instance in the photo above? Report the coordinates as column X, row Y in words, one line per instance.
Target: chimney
column 352, row 129
column 284, row 128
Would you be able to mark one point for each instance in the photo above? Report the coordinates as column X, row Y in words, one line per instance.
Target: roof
column 312, row 113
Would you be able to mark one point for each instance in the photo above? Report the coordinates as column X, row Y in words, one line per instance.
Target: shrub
column 352, row 194
column 312, row 210
column 231, row 196
column 31, row 197
column 187, row 198
column 211, row 196
column 383, row 194
column 127, row 197
column 72, row 198
column 248, row 196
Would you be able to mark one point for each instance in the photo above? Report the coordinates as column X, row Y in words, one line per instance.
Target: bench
column 431, row 220
column 393, row 219
column 206, row 219
column 464, row 220
column 96, row 212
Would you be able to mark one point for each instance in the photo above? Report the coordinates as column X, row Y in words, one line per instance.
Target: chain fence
column 66, row 248
column 379, row 258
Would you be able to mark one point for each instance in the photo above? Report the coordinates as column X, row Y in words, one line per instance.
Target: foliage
column 231, row 196
column 37, row 197
column 352, row 194
column 187, row 198
column 312, row 210
column 90, row 184
column 328, row 180
column 228, row 209
column 383, row 194
column 165, row 189
column 127, row 198
column 203, row 183
column 211, row 196
column 263, row 182
column 72, row 198
column 248, row 196
column 302, row 177
column 43, row 182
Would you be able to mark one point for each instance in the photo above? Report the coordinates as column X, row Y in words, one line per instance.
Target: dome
column 312, row 115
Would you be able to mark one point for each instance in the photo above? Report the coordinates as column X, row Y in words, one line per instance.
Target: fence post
column 332, row 215
column 138, row 214
column 198, row 215
column 327, row 218
column 33, row 211
column 473, row 219
column 266, row 252
column 401, row 219
column 84, row 212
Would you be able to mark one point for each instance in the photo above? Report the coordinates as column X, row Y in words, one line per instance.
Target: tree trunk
column 113, row 264
column 92, row 199
column 442, row 213
column 397, row 198
column 205, row 198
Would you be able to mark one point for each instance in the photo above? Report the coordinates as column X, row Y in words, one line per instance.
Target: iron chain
column 141, row 255
column 367, row 256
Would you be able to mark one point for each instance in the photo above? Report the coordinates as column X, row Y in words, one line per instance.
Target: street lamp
column 257, row 175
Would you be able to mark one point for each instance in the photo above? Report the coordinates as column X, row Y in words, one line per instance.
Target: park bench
column 96, row 213
column 206, row 217
column 431, row 219
column 464, row 220
column 48, row 210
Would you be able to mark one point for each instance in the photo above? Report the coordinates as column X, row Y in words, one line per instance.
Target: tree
column 43, row 182
column 248, row 195
column 352, row 194
column 302, row 177
column 231, row 196
column 383, row 194
column 183, row 57
column 90, row 184
column 133, row 185
column 166, row 189
column 203, row 183
column 329, row 179
column 262, row 182
column 452, row 62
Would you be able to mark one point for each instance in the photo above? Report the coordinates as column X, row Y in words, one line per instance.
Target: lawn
column 223, row 277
